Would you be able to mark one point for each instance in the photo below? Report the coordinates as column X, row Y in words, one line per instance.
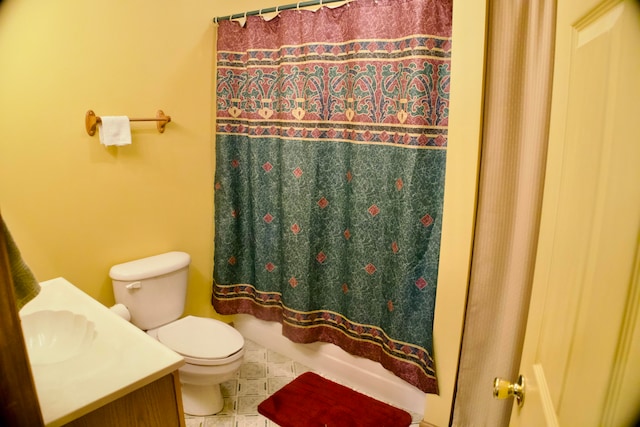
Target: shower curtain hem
column 408, row 371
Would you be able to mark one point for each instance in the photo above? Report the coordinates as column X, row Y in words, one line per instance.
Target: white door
column 581, row 360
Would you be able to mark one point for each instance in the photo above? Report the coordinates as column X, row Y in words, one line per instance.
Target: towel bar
column 91, row 121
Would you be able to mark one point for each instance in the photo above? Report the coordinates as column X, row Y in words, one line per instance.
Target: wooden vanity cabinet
column 158, row 404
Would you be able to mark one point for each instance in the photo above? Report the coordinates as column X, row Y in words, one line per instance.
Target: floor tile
column 273, row 357
column 229, row 406
column 220, row 421
column 191, row 421
column 229, row 388
column 252, row 370
column 251, row 421
column 253, row 387
column 280, row 369
column 275, row 384
column 248, row 405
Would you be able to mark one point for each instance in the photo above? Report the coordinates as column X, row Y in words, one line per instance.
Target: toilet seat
column 203, row 341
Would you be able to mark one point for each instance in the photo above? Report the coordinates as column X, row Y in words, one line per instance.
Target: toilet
column 154, row 290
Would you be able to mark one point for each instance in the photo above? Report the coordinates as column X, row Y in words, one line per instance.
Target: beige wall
column 75, row 207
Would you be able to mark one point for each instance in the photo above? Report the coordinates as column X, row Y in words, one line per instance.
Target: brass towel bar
column 91, row 121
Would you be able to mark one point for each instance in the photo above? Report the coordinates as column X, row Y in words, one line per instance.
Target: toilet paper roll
column 121, row 311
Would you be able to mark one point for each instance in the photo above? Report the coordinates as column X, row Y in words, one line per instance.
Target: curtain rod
column 274, row 9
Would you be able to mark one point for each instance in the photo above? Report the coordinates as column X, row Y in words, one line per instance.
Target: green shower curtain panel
column 330, row 161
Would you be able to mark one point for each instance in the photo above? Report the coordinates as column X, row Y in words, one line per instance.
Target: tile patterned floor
column 262, row 373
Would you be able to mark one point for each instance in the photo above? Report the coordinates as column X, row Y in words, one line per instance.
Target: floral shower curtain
column 330, row 161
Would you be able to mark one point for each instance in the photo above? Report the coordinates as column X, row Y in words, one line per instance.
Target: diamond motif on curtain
column 427, row 220
column 323, row 203
column 370, row 268
column 295, row 229
column 421, row 283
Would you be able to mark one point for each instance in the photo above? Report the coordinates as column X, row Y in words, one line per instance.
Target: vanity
column 108, row 373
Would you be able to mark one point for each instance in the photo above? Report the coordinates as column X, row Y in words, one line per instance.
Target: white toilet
column 154, row 290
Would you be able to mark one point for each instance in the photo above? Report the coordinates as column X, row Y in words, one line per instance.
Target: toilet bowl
column 152, row 290
column 213, row 353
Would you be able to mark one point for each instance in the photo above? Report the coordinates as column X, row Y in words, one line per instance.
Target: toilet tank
column 153, row 289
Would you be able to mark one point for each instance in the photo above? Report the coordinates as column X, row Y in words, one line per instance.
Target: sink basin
column 53, row 336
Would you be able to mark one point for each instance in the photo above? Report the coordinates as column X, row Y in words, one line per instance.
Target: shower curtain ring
column 298, row 7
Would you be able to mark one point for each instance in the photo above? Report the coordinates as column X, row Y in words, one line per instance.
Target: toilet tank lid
column 152, row 266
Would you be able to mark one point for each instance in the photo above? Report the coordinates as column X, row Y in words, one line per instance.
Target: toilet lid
column 201, row 338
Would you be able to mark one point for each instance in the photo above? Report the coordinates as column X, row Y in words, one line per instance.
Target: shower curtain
column 330, row 158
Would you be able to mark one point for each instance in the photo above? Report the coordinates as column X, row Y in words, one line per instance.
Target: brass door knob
column 503, row 389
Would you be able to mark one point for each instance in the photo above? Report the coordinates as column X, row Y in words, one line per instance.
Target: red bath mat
column 312, row 401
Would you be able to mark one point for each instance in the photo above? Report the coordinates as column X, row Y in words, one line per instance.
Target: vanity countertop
column 121, row 359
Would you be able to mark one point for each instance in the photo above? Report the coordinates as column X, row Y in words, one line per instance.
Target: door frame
column 460, row 200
